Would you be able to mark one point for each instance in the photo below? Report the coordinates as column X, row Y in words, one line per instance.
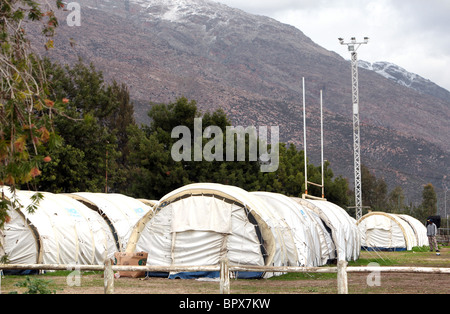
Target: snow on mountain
column 213, row 14
column 403, row 77
column 178, row 11
column 391, row 71
column 170, row 10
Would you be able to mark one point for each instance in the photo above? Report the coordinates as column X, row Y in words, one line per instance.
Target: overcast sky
column 414, row 34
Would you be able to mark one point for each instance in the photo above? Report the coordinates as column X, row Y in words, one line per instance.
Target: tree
column 121, row 118
column 429, row 199
column 374, row 190
column 337, row 190
column 428, row 207
column 153, row 171
column 396, row 201
column 289, row 179
column 93, row 128
column 26, row 112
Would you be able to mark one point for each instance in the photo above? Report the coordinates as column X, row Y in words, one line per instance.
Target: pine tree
column 429, row 200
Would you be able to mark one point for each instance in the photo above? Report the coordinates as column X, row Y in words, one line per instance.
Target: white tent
column 147, row 202
column 2, row 243
column 312, row 243
column 121, row 212
column 420, row 231
column 328, row 246
column 384, row 231
column 199, row 224
column 344, row 231
column 60, row 231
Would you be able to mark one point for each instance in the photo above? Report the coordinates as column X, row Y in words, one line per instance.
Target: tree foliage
column 396, row 201
column 374, row 190
column 376, row 196
column 26, row 111
column 93, row 130
column 153, row 172
column 428, row 207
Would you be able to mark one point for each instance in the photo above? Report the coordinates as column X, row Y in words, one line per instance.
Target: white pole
column 224, row 277
column 109, row 277
column 321, row 139
column 342, row 281
column 445, row 207
column 304, row 137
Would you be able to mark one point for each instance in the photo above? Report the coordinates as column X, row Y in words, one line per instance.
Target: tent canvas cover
column 385, row 231
column 199, row 224
column 60, row 231
column 343, row 229
column 85, row 228
column 310, row 239
column 121, row 212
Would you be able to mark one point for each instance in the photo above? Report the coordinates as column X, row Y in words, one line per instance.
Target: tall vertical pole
column 445, row 207
column 321, row 140
column 353, row 47
column 356, row 136
column 304, row 137
column 106, row 171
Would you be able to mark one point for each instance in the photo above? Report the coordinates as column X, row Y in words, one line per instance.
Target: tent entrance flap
column 201, row 213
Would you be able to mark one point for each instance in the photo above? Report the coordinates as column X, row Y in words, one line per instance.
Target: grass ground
column 293, row 283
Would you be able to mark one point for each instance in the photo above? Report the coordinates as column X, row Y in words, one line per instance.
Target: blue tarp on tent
column 205, row 274
column 384, row 249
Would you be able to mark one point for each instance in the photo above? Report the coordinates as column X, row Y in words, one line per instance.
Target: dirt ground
column 358, row 283
column 389, row 283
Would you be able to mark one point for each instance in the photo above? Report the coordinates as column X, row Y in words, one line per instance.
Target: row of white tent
column 79, row 228
column 391, row 232
column 198, row 224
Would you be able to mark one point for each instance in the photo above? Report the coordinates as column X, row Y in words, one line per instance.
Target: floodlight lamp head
column 353, row 39
column 341, row 40
column 366, row 40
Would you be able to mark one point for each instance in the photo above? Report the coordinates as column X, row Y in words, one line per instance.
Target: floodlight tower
column 353, row 46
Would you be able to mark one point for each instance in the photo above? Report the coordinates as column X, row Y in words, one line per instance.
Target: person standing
column 431, row 233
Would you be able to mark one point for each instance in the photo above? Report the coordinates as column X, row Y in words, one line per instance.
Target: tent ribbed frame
column 34, row 232
column 96, row 208
column 392, row 217
column 268, row 241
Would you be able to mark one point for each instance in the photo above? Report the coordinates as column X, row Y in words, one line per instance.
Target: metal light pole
column 353, row 46
column 445, row 208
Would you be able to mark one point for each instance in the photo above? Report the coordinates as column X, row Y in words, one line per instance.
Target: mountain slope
column 405, row 78
column 252, row 66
